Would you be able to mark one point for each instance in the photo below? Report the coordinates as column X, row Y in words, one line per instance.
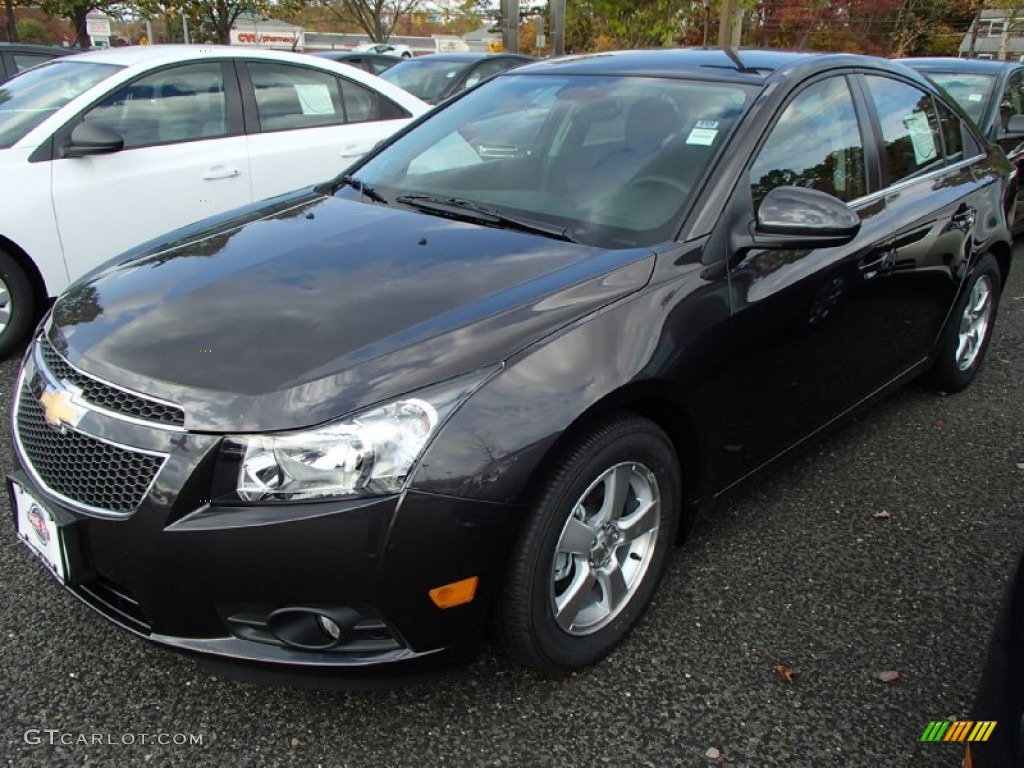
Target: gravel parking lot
column 883, row 548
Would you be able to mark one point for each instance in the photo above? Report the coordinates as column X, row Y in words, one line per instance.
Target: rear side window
column 23, row 61
column 816, row 143
column 910, row 127
column 290, row 97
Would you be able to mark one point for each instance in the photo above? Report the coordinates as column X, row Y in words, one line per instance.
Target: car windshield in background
column 427, row 79
column 34, row 95
column 609, row 161
column 971, row 91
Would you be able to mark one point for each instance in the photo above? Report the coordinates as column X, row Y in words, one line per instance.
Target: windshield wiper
column 364, row 189
column 458, row 207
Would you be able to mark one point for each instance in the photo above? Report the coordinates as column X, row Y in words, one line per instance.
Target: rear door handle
column 220, row 172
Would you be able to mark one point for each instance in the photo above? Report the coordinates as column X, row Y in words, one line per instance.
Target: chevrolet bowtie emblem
column 60, row 409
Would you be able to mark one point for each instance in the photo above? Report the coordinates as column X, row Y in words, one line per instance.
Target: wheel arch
column 28, row 266
column 1003, row 254
column 651, row 400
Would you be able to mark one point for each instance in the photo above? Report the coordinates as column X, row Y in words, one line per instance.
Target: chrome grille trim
column 30, row 469
column 47, row 358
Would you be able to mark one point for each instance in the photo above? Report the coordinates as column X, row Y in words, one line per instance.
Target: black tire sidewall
column 23, row 305
column 629, row 440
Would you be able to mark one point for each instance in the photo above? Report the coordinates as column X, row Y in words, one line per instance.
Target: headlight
column 366, row 454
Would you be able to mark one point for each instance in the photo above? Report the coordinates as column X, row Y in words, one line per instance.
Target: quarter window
column 23, row 61
column 816, row 143
column 172, row 105
column 910, row 127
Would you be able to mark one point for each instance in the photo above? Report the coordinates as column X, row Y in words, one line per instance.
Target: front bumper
column 209, row 582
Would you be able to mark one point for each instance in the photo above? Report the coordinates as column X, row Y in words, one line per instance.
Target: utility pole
column 725, row 24
column 557, row 9
column 510, row 25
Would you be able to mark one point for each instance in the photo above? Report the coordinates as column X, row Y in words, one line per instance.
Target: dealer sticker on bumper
column 40, row 532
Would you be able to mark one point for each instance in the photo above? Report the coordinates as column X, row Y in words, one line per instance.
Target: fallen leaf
column 938, row 423
column 733, row 447
column 1020, row 465
column 786, row 673
column 713, row 753
column 295, row 742
column 889, row 676
column 881, row 515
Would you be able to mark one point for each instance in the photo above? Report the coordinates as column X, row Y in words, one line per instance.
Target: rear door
column 184, row 159
column 307, row 125
column 932, row 199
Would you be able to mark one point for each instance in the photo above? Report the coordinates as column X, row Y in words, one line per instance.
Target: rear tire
column 590, row 556
column 17, row 305
column 965, row 339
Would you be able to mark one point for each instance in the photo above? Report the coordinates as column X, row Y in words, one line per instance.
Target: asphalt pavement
column 881, row 549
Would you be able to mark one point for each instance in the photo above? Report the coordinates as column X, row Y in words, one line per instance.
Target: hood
column 313, row 306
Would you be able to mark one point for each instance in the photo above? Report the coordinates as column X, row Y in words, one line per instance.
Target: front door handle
column 220, row 172
column 876, row 264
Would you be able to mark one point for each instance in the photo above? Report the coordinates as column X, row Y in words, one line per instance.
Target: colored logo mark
column 958, row 730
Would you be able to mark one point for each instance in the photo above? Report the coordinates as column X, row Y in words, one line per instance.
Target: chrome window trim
column 904, row 183
column 41, row 484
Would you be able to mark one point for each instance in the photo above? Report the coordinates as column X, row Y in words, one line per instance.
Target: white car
column 386, row 48
column 104, row 150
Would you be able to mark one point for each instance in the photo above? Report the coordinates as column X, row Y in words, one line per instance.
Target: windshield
column 427, row 79
column 972, row 92
column 611, row 161
column 31, row 97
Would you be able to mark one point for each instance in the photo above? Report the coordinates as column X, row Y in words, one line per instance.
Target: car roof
column 51, row 50
column 132, row 55
column 757, row 66
column 948, row 63
column 471, row 56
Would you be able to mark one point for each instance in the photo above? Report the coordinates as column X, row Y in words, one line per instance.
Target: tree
column 377, row 18
column 75, row 12
column 12, row 27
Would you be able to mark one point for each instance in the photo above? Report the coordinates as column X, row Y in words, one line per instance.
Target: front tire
column 17, row 305
column 590, row 556
column 966, row 337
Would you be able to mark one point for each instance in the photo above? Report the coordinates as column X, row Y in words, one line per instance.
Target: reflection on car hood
column 314, row 306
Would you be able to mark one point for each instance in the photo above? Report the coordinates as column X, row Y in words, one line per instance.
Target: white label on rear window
column 921, row 137
column 315, row 99
column 974, row 97
column 703, row 133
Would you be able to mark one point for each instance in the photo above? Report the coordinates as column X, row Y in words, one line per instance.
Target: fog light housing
column 312, row 629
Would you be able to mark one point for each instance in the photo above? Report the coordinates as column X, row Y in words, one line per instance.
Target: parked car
column 1000, row 691
column 17, row 57
column 438, row 76
column 992, row 94
column 374, row 63
column 402, row 51
column 101, row 151
column 345, row 429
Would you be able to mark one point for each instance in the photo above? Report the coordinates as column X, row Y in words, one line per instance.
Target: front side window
column 1012, row 102
column 290, row 97
column 816, row 143
column 172, row 105
column 910, row 127
column 613, row 160
column 30, row 98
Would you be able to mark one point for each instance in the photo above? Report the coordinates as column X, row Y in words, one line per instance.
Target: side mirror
column 1014, row 127
column 93, row 139
column 798, row 218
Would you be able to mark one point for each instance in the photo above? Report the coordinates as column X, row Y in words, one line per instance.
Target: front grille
column 106, row 396
column 82, row 469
